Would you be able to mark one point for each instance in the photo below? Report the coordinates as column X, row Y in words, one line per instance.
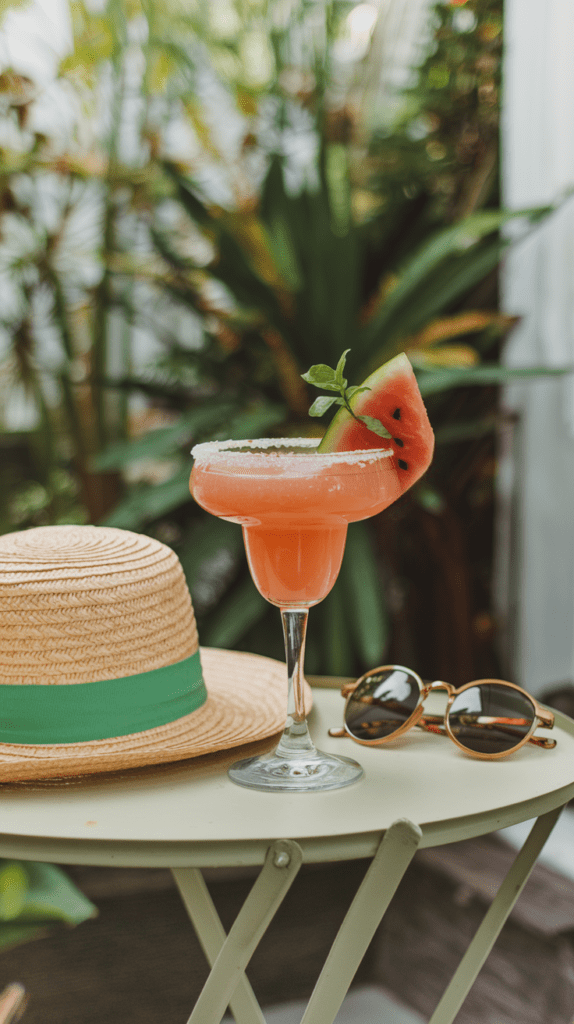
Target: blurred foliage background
column 234, row 191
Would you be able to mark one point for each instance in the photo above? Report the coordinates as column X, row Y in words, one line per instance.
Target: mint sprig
column 328, row 379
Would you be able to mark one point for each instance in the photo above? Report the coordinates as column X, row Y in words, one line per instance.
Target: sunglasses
column 488, row 718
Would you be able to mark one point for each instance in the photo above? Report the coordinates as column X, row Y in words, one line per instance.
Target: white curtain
column 536, row 527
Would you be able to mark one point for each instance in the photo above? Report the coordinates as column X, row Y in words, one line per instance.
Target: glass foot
column 308, row 772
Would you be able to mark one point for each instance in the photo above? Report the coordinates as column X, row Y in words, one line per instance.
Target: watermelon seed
column 398, row 441
column 397, row 414
column 403, row 464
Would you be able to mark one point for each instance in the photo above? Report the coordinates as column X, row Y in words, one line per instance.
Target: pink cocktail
column 294, row 505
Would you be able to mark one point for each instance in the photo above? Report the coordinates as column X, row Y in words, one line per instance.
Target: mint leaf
column 321, row 404
column 375, row 425
column 330, row 387
column 355, row 391
column 342, row 381
column 322, row 376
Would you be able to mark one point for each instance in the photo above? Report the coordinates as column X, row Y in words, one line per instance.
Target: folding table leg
column 282, row 862
column 211, row 935
column 379, row 885
column 493, row 921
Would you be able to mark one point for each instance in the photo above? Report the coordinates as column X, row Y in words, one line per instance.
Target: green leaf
column 458, row 238
column 365, row 606
column 163, row 244
column 329, row 387
column 252, row 423
column 13, row 889
column 232, row 266
column 341, row 381
column 235, row 615
column 173, row 391
column 449, row 241
column 204, row 541
column 280, row 242
column 53, row 897
column 144, row 504
column 373, row 424
column 452, row 279
column 329, row 267
column 234, row 269
column 338, row 187
column 321, row 404
column 356, row 390
column 159, row 443
column 337, row 646
column 197, row 210
column 452, row 433
column 321, row 376
column 33, row 895
column 441, row 380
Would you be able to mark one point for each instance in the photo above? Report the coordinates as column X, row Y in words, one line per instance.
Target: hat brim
column 247, row 702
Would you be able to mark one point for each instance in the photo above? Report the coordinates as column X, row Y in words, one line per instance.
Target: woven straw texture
column 80, row 604
column 86, row 603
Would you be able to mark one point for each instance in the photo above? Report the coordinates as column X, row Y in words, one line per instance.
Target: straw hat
column 100, row 667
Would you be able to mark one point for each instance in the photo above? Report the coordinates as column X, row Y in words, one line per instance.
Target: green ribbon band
column 79, row 712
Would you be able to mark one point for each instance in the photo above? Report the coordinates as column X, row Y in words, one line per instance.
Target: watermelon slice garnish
column 394, row 399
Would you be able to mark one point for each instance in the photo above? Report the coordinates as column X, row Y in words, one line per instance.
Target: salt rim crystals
column 263, row 449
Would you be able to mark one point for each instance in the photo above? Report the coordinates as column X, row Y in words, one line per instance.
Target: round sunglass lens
column 490, row 718
column 381, row 703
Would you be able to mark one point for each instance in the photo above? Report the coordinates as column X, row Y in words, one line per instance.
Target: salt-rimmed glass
column 294, row 505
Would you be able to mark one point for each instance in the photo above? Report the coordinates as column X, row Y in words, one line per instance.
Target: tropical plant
column 223, row 201
column 34, row 898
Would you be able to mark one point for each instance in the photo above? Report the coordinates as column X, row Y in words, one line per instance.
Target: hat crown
column 45, row 552
column 81, row 604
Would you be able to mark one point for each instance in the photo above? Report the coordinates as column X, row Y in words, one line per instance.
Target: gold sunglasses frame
column 440, row 723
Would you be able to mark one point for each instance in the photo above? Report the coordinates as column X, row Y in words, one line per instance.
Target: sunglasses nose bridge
column 438, row 684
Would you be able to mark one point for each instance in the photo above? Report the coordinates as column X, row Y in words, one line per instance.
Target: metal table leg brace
column 227, row 984
column 494, row 919
column 229, row 956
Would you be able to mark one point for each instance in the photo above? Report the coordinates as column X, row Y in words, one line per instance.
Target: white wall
column 537, row 477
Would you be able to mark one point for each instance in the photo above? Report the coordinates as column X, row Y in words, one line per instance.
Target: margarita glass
column 294, row 505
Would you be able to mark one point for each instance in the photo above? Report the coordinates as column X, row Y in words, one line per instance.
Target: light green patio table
column 421, row 792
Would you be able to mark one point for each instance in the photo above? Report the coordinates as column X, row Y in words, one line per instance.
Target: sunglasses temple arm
column 541, row 741
column 434, row 723
column 431, row 723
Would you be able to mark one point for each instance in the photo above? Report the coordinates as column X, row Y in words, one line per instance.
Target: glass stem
column 295, row 739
